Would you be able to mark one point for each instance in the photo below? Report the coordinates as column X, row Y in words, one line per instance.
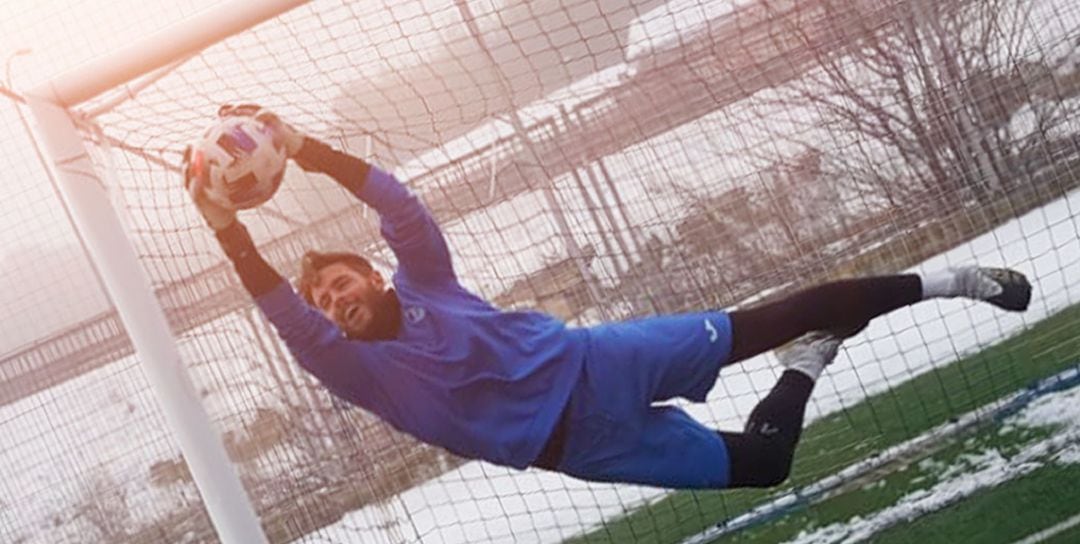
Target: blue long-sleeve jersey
column 461, row 374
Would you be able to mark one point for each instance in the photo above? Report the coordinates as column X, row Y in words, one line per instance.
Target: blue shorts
column 612, row 430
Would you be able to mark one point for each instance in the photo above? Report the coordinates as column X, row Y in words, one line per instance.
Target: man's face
column 348, row 296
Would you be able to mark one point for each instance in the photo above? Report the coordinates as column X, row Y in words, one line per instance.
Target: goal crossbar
column 158, row 50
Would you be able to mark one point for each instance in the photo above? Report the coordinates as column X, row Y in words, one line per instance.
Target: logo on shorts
column 768, row 430
column 713, row 334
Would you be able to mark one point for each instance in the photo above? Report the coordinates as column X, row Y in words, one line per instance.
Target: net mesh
column 597, row 161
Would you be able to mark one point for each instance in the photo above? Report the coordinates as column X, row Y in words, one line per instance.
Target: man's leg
column 663, row 446
column 654, row 359
column 609, row 430
column 846, row 306
column 761, row 455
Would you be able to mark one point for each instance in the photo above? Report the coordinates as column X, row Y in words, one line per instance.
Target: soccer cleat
column 1005, row 288
column 810, row 353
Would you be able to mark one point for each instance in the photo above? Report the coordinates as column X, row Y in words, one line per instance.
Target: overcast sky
column 44, row 279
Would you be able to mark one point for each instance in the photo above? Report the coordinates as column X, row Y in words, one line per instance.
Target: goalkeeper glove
column 284, row 133
column 196, row 177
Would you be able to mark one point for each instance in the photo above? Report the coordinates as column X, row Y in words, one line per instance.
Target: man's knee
column 757, row 461
column 775, row 465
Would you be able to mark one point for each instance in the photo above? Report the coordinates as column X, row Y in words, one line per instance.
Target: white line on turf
column 1041, row 536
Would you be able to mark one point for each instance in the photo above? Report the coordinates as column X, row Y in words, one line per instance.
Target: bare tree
column 918, row 106
column 103, row 505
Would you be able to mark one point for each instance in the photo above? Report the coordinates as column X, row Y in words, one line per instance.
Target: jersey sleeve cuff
column 379, row 188
column 347, row 170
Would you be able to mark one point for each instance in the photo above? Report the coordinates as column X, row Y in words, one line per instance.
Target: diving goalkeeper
column 523, row 389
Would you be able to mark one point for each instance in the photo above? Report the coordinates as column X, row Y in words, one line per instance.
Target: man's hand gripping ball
column 196, row 179
column 198, row 172
column 292, row 139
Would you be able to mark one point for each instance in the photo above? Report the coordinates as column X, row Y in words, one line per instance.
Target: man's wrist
column 235, row 240
column 347, row 170
column 219, row 225
column 310, row 154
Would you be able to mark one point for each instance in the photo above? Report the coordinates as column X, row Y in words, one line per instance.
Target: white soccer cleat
column 810, row 353
column 1005, row 288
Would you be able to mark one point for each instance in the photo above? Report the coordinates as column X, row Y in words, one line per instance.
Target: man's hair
column 314, row 261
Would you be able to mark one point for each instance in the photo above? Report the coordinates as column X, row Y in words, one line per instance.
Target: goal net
column 594, row 160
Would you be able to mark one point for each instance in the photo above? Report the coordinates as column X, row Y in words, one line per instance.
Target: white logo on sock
column 713, row 334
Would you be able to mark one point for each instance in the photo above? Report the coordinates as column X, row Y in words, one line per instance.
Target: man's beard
column 385, row 319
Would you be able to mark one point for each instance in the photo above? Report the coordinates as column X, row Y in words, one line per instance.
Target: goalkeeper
column 521, row 388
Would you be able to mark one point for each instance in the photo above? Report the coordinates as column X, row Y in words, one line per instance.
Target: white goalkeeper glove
column 290, row 138
column 196, row 177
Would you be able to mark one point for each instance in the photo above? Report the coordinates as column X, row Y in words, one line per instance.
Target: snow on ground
column 104, row 426
column 974, row 473
column 95, row 437
column 482, row 503
column 103, row 430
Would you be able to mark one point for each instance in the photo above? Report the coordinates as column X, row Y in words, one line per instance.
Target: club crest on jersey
column 414, row 314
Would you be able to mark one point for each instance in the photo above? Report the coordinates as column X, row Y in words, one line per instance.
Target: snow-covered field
column 974, row 472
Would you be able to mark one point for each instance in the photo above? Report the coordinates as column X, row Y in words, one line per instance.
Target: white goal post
column 111, row 251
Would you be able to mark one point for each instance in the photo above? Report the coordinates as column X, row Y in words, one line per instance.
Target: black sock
column 844, row 307
column 761, row 455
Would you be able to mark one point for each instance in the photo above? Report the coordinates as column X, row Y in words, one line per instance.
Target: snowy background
column 79, row 458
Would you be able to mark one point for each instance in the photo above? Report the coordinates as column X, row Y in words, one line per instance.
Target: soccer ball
column 239, row 161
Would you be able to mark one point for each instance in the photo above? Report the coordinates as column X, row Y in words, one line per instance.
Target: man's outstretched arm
column 406, row 223
column 300, row 326
column 258, row 277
